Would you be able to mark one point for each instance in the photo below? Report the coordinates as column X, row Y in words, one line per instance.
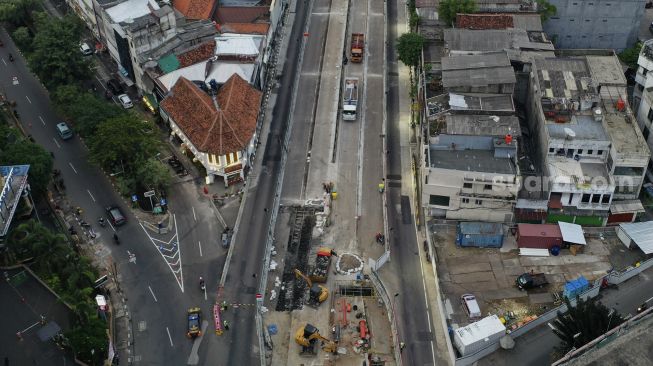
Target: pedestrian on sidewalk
column 224, row 306
column 402, row 345
column 225, row 324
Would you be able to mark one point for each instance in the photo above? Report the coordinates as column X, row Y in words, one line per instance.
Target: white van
column 64, row 131
column 470, row 306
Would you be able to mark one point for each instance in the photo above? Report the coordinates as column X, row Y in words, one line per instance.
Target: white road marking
column 89, row 193
column 42, row 121
column 101, row 83
column 194, row 217
column 169, row 337
column 112, row 228
column 30, row 102
column 199, row 243
column 5, row 62
column 155, row 300
column 71, row 165
column 56, row 142
column 193, row 358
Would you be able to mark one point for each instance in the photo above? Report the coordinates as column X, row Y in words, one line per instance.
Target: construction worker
column 225, row 324
column 224, row 306
column 382, row 186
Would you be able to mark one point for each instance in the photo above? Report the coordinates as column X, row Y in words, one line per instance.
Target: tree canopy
column 17, row 12
column 584, row 322
column 17, row 150
column 449, row 8
column 545, row 9
column 629, row 56
column 55, row 56
column 85, row 109
column 409, row 48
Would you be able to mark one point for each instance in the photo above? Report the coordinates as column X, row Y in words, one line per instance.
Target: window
column 650, row 114
column 479, row 202
column 487, row 187
column 465, row 200
column 599, row 152
column 644, row 71
column 580, row 151
column 596, row 198
column 646, row 132
column 605, row 199
column 228, row 159
column 640, row 87
column 587, row 20
column 585, row 198
column 590, row 152
column 551, row 150
column 438, row 200
column 604, row 21
column 572, row 20
column 467, row 185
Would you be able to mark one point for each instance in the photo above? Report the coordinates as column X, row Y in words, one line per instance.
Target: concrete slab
column 475, row 287
column 473, row 277
column 511, row 262
column 469, row 268
column 514, row 270
column 541, row 298
column 505, row 293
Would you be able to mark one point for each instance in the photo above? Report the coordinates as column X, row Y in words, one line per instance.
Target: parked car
column 125, row 101
column 64, row 131
column 470, row 306
column 114, row 86
column 531, row 280
column 115, row 216
column 85, row 49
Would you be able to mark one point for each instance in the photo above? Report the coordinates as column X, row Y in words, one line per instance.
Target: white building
column 643, row 97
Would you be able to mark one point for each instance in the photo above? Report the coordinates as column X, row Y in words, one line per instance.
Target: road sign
column 149, row 193
column 259, row 298
column 134, row 198
column 163, row 202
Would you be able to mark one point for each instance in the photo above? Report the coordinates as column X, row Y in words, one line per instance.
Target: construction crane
column 308, row 336
column 318, row 293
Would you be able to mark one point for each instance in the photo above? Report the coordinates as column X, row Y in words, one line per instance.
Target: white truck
column 350, row 99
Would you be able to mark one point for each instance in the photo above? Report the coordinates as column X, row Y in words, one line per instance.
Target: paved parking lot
column 489, row 274
column 23, row 302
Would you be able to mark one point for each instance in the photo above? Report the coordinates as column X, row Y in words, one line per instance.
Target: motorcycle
column 85, row 224
column 642, row 307
column 380, row 238
column 11, row 57
column 102, row 222
column 202, row 284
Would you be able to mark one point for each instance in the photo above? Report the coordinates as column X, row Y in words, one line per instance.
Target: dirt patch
column 349, row 263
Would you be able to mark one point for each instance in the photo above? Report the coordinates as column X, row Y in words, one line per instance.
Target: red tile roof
column 215, row 131
column 245, row 28
column 195, row 9
column 484, row 21
column 242, row 14
column 198, row 54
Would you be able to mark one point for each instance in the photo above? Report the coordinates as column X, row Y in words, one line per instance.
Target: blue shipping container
column 479, row 234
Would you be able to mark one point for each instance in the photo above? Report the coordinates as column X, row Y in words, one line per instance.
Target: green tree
column 17, row 12
column 16, row 150
column 23, row 39
column 584, row 322
column 55, row 58
column 409, row 48
column 152, row 173
column 629, row 56
column 545, row 9
column 121, row 143
column 85, row 110
column 89, row 341
column 449, row 8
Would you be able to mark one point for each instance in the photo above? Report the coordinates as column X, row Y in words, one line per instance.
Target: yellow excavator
column 318, row 293
column 309, row 336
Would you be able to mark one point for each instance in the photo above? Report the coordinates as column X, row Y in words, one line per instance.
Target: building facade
column 643, row 98
column 603, row 24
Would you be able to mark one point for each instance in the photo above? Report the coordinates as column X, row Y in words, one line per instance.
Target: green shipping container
column 589, row 220
column 553, row 218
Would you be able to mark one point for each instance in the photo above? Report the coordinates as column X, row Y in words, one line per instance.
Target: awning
column 555, row 202
column 572, row 233
column 630, row 206
column 641, row 233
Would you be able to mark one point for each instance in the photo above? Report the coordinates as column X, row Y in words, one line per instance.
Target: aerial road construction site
column 322, row 303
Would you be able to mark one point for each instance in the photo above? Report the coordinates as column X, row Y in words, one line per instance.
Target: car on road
column 194, row 322
column 64, row 131
column 85, row 49
column 125, row 101
column 115, row 216
column 114, row 86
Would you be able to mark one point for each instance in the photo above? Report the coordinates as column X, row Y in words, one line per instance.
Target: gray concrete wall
column 612, row 24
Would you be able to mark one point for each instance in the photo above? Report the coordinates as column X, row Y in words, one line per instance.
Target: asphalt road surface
column 154, row 297
column 239, row 345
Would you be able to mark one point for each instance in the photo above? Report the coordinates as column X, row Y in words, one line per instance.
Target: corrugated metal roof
column 541, row 230
column 572, row 233
column 618, row 207
column 641, row 233
column 481, row 228
column 481, row 329
column 532, row 204
column 169, row 63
